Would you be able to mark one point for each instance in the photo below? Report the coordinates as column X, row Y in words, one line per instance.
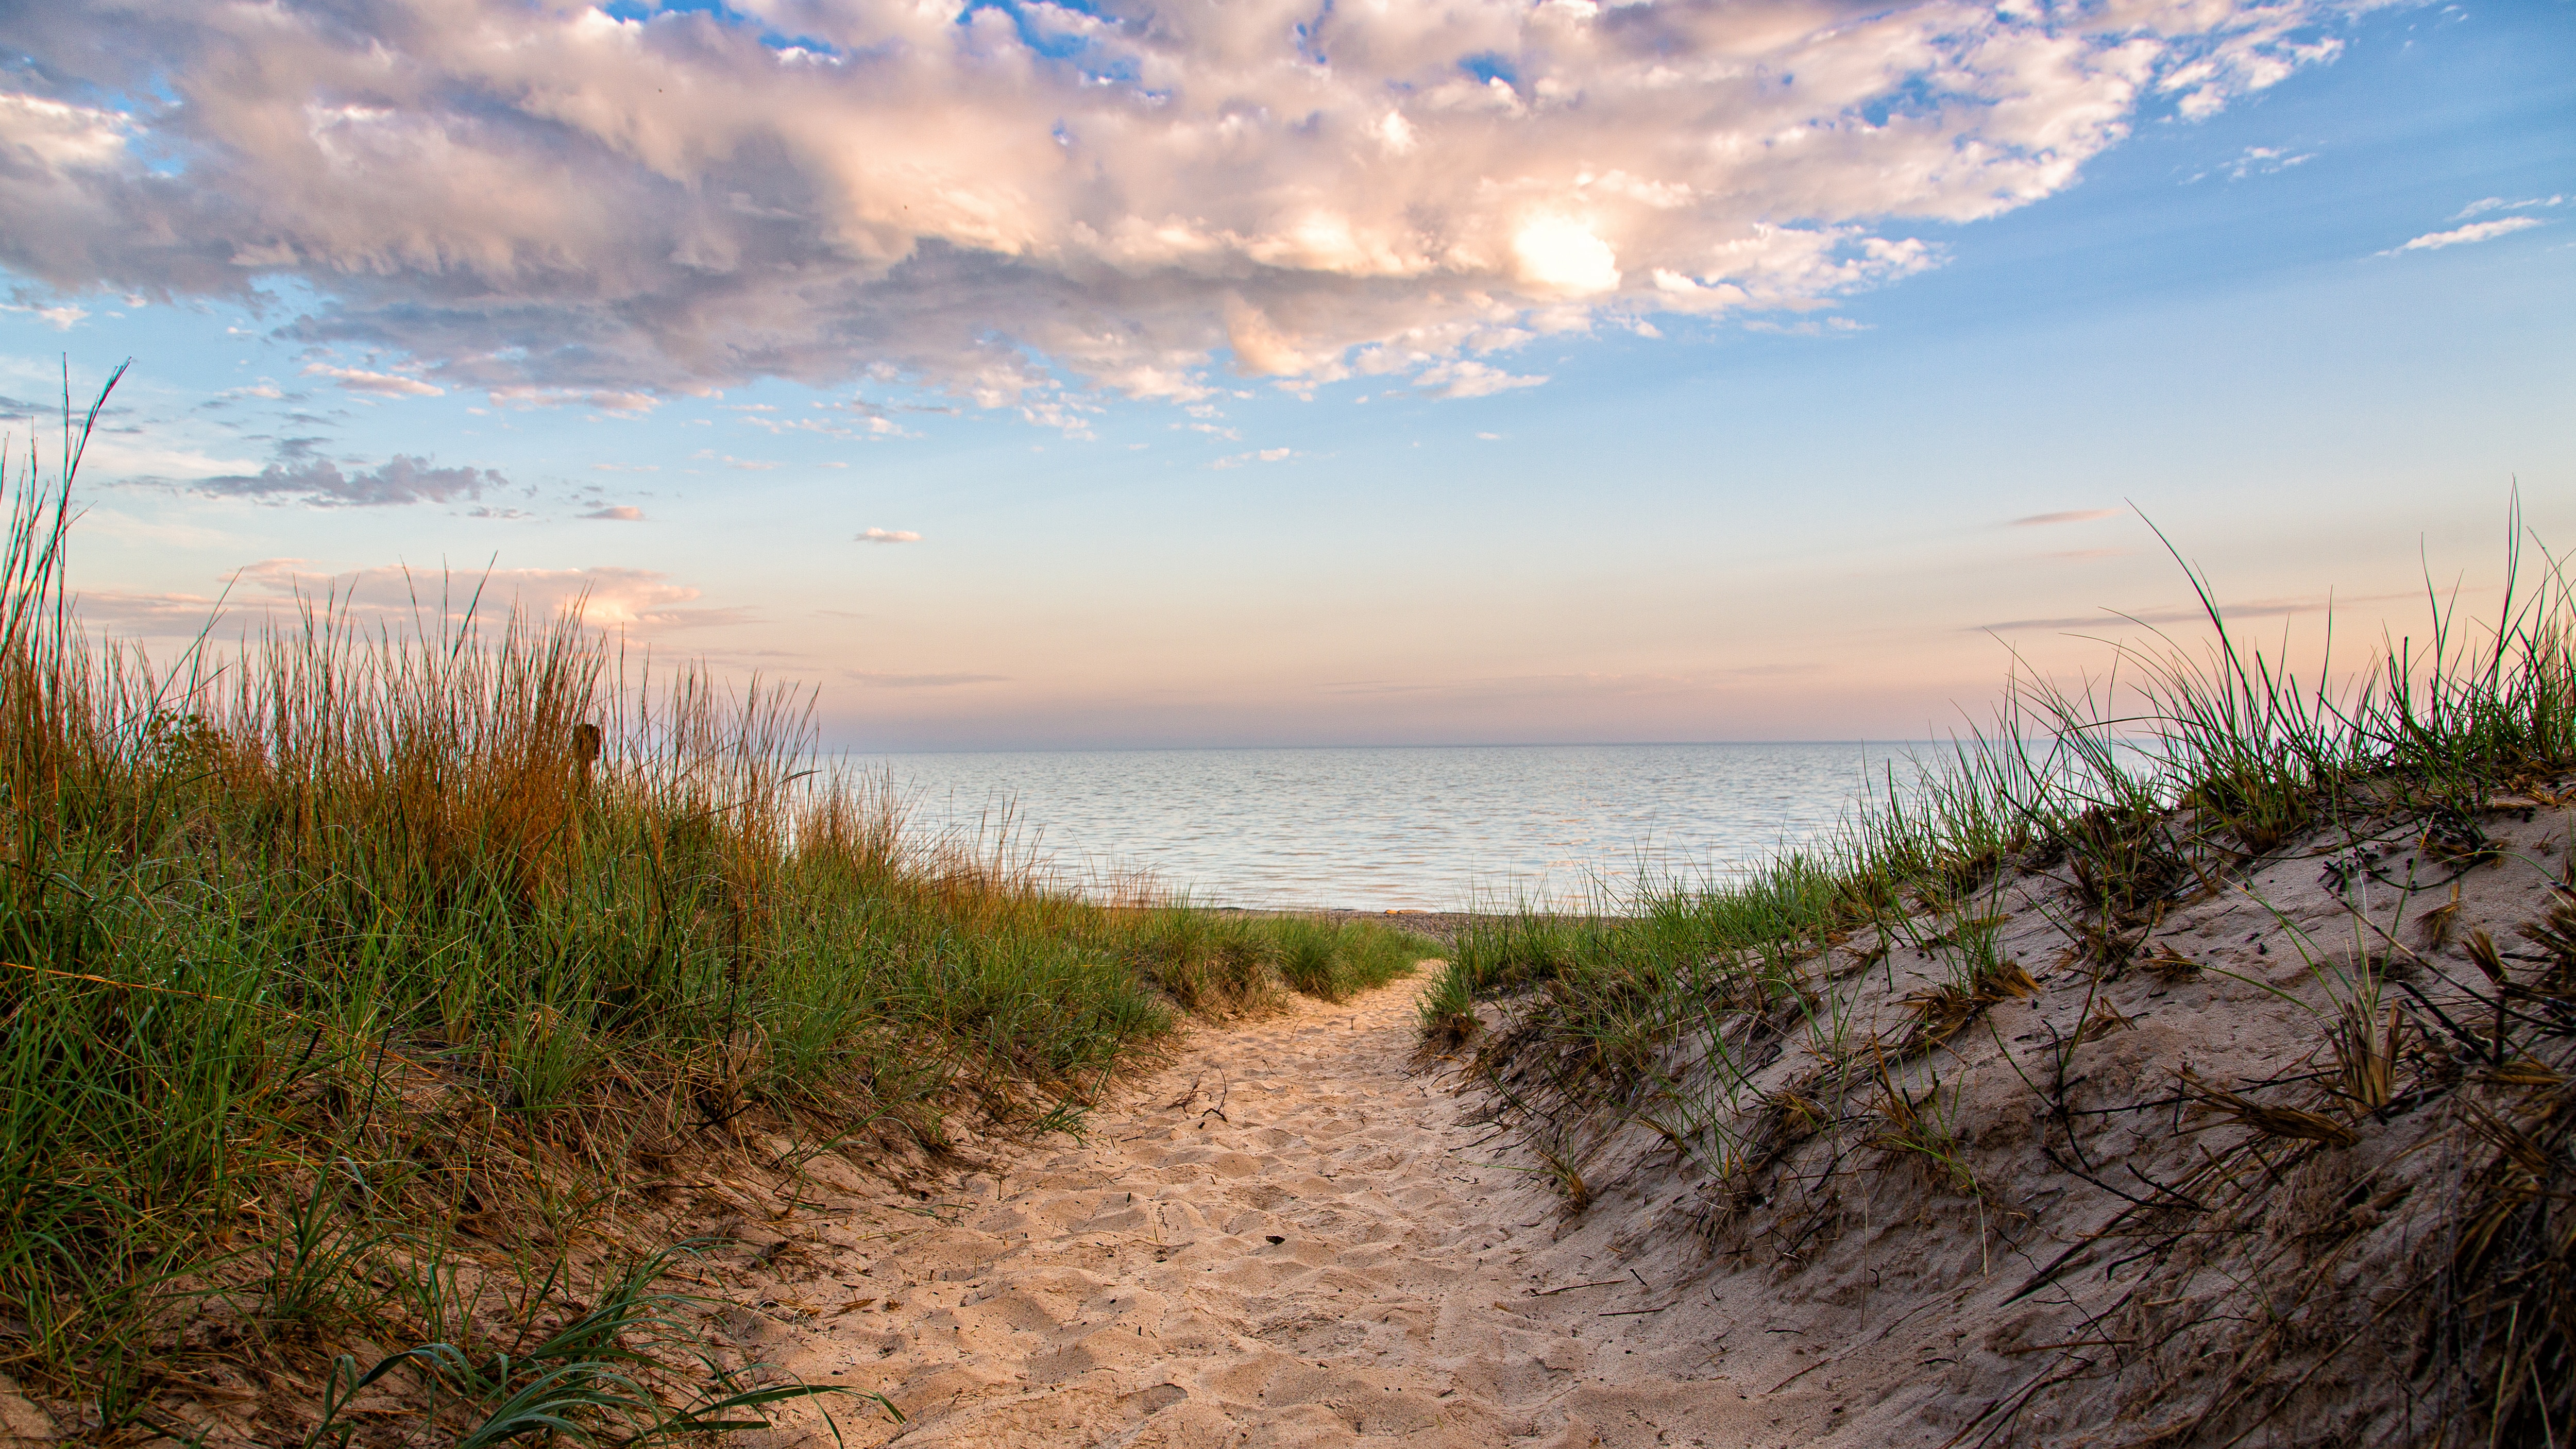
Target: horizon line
column 1411, row 745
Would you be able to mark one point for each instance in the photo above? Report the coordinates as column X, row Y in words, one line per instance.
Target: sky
column 1120, row 374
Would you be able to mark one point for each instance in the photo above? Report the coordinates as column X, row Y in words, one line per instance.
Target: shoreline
column 1441, row 926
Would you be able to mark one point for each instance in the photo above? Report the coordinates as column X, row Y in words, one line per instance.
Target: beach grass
column 2181, row 764
column 2173, row 779
column 364, row 975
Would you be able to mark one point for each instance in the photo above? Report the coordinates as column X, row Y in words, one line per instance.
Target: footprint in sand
column 1285, row 1238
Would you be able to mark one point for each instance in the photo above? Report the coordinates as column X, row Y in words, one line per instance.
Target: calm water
column 1432, row 828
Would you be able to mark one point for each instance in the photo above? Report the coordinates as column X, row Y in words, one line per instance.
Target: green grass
column 2181, row 768
column 2173, row 778
column 349, row 960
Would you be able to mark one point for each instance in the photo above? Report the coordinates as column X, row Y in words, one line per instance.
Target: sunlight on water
column 1434, row 828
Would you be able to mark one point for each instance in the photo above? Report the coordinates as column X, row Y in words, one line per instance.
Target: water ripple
column 1433, row 828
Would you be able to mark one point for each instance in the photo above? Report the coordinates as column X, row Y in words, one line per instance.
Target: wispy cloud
column 377, row 384
column 1265, row 455
column 1021, row 205
column 2483, row 205
column 301, row 474
column 621, row 402
column 62, row 317
column 1467, row 377
column 1810, row 327
column 631, row 600
column 920, row 681
column 2476, row 231
column 888, row 535
column 617, row 513
column 2257, row 161
column 2189, row 614
column 2072, row 515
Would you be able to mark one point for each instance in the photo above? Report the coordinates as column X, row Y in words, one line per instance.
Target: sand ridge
column 1289, row 1236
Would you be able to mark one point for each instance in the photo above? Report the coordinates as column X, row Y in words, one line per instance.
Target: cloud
column 618, row 513
column 1466, row 377
column 299, row 473
column 61, row 317
column 2190, row 614
column 635, row 601
column 888, row 535
column 631, row 600
column 1811, row 327
column 145, row 615
column 379, row 384
column 2484, row 205
column 920, row 681
column 2072, row 515
column 1265, row 455
column 2476, row 231
column 622, row 402
column 2258, row 161
column 1024, row 202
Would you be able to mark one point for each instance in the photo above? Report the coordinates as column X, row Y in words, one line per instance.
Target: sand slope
column 1285, row 1238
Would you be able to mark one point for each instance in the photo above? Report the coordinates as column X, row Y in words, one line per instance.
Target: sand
column 1291, row 1236
column 1298, row 1233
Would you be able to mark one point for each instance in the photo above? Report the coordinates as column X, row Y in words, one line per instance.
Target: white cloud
column 2484, row 205
column 620, row 402
column 617, row 513
column 888, row 535
column 113, row 456
column 62, row 318
column 1561, row 256
column 1469, row 378
column 2476, row 231
column 2260, row 161
column 868, row 428
column 1021, row 205
column 379, row 384
column 1263, row 455
column 2072, row 515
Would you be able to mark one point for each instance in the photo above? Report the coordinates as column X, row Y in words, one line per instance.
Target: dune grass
column 2182, row 771
column 2178, row 767
column 360, row 980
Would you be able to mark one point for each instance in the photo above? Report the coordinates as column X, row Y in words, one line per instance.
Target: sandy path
column 1286, row 1238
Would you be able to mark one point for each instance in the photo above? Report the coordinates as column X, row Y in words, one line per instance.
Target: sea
column 1437, row 828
